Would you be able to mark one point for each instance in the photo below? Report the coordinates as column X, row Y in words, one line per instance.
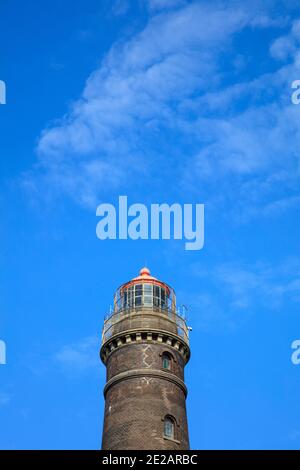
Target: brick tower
column 145, row 348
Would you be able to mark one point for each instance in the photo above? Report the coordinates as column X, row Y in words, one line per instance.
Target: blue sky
column 162, row 101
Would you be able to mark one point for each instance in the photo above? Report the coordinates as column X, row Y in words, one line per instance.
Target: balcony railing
column 173, row 321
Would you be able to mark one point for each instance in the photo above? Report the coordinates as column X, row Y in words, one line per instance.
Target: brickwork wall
column 143, row 355
column 135, row 406
column 134, row 413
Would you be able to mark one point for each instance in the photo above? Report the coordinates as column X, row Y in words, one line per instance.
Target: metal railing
column 113, row 322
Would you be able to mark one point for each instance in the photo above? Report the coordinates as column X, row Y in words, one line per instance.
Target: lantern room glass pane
column 130, row 297
column 163, row 298
column 138, row 289
column 144, row 294
column 148, row 300
column 125, row 299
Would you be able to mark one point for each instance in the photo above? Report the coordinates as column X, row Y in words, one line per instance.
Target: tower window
column 169, row 427
column 166, row 361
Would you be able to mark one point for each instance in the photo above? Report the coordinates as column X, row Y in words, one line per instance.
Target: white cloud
column 108, row 135
column 243, row 289
column 286, row 46
column 251, row 150
column 167, row 84
column 80, row 356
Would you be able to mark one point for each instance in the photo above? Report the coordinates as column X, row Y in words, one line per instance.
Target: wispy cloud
column 242, row 289
column 80, row 356
column 286, row 46
column 136, row 103
column 252, row 138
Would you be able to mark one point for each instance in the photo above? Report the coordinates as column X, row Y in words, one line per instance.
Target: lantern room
column 146, row 302
column 145, row 291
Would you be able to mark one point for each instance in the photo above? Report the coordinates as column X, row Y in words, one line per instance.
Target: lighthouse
column 145, row 347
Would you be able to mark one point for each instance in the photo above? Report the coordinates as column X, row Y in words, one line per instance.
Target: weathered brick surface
column 135, row 407
column 136, row 404
column 143, row 355
column 134, row 413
